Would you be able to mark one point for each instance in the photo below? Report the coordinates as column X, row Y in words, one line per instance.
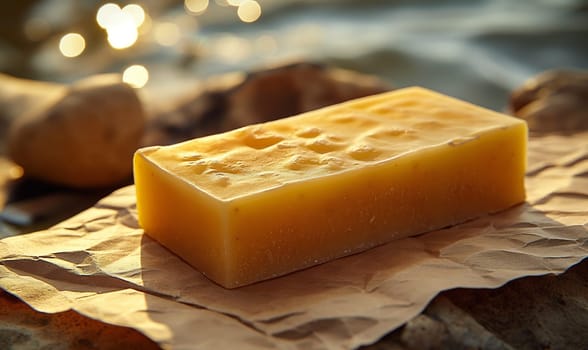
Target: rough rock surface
column 23, row 328
column 545, row 312
column 553, row 101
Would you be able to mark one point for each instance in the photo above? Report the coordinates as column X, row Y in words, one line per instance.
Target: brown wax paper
column 100, row 264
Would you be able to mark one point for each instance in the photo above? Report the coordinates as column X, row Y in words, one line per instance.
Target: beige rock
column 82, row 135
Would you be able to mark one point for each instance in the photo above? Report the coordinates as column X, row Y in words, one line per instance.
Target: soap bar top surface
column 345, row 137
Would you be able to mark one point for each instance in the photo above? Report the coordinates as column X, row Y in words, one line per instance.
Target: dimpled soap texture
column 268, row 199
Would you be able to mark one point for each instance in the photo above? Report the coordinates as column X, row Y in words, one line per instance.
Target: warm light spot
column 72, row 44
column 235, row 2
column 121, row 25
column 249, row 11
column 122, row 32
column 136, row 12
column 121, row 37
column 9, row 171
column 15, row 172
column 196, row 6
column 136, row 76
column 106, row 13
column 167, row 34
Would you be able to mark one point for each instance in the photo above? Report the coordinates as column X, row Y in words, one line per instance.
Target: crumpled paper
column 100, row 264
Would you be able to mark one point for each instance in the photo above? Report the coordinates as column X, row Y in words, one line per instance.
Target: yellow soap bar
column 268, row 199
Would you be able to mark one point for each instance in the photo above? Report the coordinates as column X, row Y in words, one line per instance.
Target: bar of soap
column 269, row 199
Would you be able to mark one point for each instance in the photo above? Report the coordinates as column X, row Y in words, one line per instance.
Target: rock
column 542, row 312
column 442, row 325
column 23, row 328
column 553, row 101
column 83, row 136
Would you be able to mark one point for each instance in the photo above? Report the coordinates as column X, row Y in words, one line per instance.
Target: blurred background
column 478, row 50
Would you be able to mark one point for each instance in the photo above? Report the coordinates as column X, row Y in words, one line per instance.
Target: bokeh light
column 106, row 13
column 167, row 33
column 196, row 6
column 72, row 45
column 123, row 34
column 136, row 76
column 249, row 11
column 121, row 25
column 136, row 12
column 15, row 172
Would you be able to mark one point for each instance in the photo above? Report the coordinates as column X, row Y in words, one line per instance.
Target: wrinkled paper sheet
column 100, row 264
